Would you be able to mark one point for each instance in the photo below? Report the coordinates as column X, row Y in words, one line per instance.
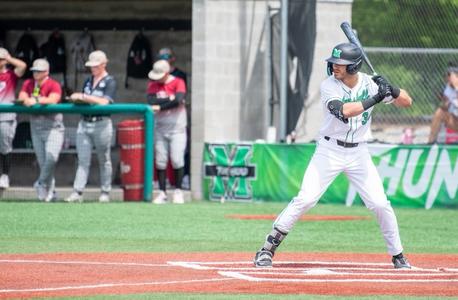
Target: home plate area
column 348, row 274
column 322, row 271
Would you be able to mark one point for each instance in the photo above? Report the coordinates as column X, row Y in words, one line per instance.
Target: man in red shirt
column 166, row 95
column 8, row 82
column 47, row 130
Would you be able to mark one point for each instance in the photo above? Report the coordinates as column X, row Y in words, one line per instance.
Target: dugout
column 224, row 46
column 113, row 26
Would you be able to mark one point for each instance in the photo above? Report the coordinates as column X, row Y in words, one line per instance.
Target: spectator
column 95, row 130
column 166, row 94
column 47, row 130
column 168, row 55
column 8, row 82
column 447, row 113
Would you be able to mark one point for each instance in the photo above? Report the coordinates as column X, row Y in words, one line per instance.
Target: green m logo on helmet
column 336, row 53
column 230, row 171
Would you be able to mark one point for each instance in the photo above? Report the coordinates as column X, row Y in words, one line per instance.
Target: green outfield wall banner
column 413, row 175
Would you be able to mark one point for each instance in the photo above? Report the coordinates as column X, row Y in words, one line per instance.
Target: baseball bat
column 346, row 28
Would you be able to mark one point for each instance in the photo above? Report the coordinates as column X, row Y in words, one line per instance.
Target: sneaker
column 41, row 190
column 178, row 197
column 400, row 262
column 263, row 259
column 4, row 181
column 104, row 197
column 51, row 196
column 74, row 197
column 161, row 198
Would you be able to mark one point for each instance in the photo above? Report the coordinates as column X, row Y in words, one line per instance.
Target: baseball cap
column 3, row 53
column 40, row 65
column 452, row 70
column 96, row 58
column 165, row 53
column 160, row 68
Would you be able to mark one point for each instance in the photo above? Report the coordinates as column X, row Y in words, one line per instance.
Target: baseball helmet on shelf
column 346, row 54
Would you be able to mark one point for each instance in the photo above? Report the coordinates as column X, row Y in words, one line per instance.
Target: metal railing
column 66, row 108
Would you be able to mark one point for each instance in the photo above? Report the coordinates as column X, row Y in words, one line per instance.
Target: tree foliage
column 406, row 23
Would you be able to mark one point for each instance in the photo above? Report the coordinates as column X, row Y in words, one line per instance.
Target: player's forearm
column 95, row 99
column 352, row 109
column 403, row 100
column 51, row 99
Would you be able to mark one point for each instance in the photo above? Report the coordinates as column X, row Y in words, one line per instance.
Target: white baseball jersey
column 357, row 128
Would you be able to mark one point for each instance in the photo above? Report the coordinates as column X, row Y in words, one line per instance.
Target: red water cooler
column 131, row 139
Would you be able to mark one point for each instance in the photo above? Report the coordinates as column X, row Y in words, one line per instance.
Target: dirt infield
column 82, row 274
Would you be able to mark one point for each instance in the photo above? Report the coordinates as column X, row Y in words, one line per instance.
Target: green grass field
column 31, row 227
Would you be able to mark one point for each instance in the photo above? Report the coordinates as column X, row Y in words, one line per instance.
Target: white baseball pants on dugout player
column 171, row 144
column 94, row 134
column 47, row 140
column 328, row 161
column 7, row 132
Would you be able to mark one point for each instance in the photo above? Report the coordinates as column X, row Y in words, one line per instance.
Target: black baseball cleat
column 400, row 262
column 263, row 259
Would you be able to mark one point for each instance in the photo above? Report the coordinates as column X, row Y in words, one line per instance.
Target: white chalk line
column 246, row 277
column 251, row 274
column 108, row 285
column 230, row 273
column 207, row 266
column 331, row 273
column 66, row 262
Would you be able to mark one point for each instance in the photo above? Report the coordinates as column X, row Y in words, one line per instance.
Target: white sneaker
column 4, row 181
column 161, row 198
column 51, row 196
column 104, row 197
column 178, row 197
column 41, row 190
column 74, row 197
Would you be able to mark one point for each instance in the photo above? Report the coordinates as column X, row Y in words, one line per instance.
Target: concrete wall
column 229, row 89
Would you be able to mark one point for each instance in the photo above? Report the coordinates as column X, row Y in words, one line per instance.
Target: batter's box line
column 327, row 272
column 226, row 266
column 245, row 277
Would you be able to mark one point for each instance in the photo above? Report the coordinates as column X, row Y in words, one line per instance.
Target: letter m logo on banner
column 230, row 171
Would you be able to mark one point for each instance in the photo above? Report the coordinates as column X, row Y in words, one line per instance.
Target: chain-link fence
column 421, row 72
column 411, row 43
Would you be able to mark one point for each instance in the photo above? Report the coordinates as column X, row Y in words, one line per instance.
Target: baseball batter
column 47, row 130
column 348, row 98
column 95, row 130
column 166, row 94
column 8, row 82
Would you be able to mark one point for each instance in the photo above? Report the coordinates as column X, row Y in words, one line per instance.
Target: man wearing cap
column 447, row 113
column 95, row 130
column 169, row 55
column 47, row 130
column 8, row 82
column 166, row 94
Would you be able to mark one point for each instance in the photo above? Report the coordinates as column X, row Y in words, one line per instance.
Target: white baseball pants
column 328, row 161
column 99, row 135
column 170, row 143
column 7, row 132
column 47, row 140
